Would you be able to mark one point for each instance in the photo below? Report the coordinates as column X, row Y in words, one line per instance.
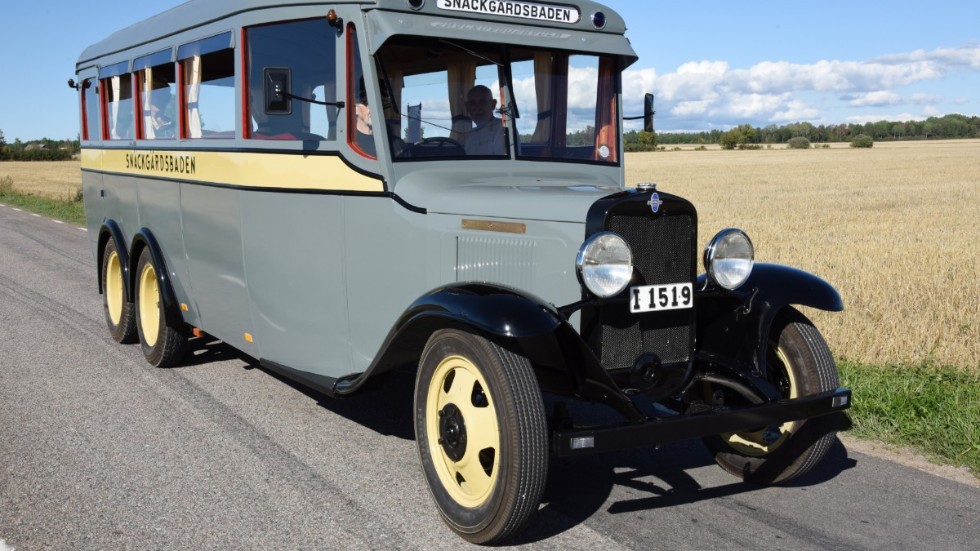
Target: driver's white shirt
column 486, row 139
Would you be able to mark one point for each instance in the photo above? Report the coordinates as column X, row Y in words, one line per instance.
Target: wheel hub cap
column 452, row 432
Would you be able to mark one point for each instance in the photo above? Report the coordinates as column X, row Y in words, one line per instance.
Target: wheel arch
column 144, row 239
column 518, row 321
column 110, row 230
column 736, row 324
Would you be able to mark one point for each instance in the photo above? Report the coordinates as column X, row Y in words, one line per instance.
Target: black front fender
column 735, row 324
column 491, row 310
column 562, row 361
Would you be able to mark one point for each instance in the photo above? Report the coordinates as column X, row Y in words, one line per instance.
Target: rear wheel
column 119, row 316
column 799, row 363
column 163, row 342
column 481, row 432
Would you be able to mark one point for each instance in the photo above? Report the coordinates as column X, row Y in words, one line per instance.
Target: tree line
column 38, row 150
column 934, row 128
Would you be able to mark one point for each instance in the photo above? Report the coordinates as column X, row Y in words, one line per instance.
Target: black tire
column 119, row 315
column 482, row 435
column 800, row 364
column 163, row 341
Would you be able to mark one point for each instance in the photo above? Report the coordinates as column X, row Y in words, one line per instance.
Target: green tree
column 862, row 140
column 798, row 142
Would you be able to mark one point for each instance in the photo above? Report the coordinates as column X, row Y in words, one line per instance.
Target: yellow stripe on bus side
column 248, row 169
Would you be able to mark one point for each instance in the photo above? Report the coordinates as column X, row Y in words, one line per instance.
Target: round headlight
column 605, row 264
column 728, row 258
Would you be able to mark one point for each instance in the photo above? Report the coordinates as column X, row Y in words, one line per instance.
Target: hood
column 555, row 196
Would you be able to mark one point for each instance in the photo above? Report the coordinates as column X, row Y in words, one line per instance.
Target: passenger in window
column 365, row 129
column 163, row 127
column 487, row 136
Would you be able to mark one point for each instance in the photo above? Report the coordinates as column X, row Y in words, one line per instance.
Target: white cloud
column 692, row 81
column 875, row 99
column 753, row 105
column 796, row 111
column 772, row 90
column 688, row 108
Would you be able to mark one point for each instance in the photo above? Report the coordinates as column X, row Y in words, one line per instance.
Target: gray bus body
column 342, row 189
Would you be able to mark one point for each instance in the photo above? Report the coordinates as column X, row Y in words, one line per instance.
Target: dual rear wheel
column 162, row 340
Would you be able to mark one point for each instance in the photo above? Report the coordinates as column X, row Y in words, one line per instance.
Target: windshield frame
column 392, row 81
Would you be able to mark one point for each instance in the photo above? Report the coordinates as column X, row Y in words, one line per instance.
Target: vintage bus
column 340, row 189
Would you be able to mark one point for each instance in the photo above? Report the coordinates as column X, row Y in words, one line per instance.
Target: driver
column 487, row 136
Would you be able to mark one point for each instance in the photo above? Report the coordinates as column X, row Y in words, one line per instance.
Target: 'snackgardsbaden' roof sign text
column 513, row 8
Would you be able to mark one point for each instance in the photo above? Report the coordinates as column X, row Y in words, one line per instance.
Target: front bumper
column 660, row 430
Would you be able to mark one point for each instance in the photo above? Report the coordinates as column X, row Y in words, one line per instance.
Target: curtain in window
column 542, row 89
column 462, row 76
column 193, row 76
column 149, row 132
column 397, row 81
column 115, row 83
column 605, row 116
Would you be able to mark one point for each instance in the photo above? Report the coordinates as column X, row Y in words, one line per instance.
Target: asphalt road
column 98, row 450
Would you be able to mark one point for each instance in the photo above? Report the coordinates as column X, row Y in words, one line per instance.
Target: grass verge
column 71, row 211
column 934, row 410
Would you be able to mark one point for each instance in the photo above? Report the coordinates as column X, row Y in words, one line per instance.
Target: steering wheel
column 437, row 146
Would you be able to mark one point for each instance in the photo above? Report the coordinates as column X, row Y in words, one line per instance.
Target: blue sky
column 712, row 64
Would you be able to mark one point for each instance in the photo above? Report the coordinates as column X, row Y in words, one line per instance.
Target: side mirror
column 277, row 91
column 648, row 113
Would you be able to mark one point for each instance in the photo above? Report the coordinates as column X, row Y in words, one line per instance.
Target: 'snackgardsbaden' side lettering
column 161, row 162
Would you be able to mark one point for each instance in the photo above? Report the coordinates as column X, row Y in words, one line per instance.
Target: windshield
column 467, row 100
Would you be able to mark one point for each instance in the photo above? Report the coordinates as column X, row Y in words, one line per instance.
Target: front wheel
column 163, row 341
column 799, row 363
column 481, row 433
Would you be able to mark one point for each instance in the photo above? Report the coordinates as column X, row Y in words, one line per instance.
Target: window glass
column 449, row 98
column 209, row 95
column 119, row 106
column 360, row 121
column 157, row 89
column 90, row 99
column 568, row 105
column 307, row 50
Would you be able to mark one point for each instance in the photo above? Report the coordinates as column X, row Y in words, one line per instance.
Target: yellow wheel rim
column 114, row 288
column 149, row 305
column 459, row 392
column 754, row 443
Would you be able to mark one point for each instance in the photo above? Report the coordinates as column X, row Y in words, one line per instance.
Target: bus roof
column 575, row 19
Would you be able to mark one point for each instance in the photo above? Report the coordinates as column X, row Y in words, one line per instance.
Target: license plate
column 657, row 298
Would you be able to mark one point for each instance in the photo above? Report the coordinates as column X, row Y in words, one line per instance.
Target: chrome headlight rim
column 584, row 264
column 721, row 244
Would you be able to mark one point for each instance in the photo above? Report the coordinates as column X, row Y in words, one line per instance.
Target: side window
column 157, row 99
column 92, row 129
column 117, row 103
column 307, row 51
column 360, row 129
column 208, row 95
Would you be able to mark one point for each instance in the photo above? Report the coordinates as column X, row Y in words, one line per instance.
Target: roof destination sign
column 553, row 13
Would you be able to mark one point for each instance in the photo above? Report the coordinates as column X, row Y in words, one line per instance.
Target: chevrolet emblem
column 655, row 203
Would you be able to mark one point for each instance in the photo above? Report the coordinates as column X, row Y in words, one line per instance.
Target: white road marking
column 17, row 209
column 33, row 214
column 3, row 544
column 57, row 221
column 83, row 229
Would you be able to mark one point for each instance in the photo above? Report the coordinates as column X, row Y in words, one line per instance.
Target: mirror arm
column 308, row 100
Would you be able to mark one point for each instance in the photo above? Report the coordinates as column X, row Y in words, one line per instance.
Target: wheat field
column 895, row 228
